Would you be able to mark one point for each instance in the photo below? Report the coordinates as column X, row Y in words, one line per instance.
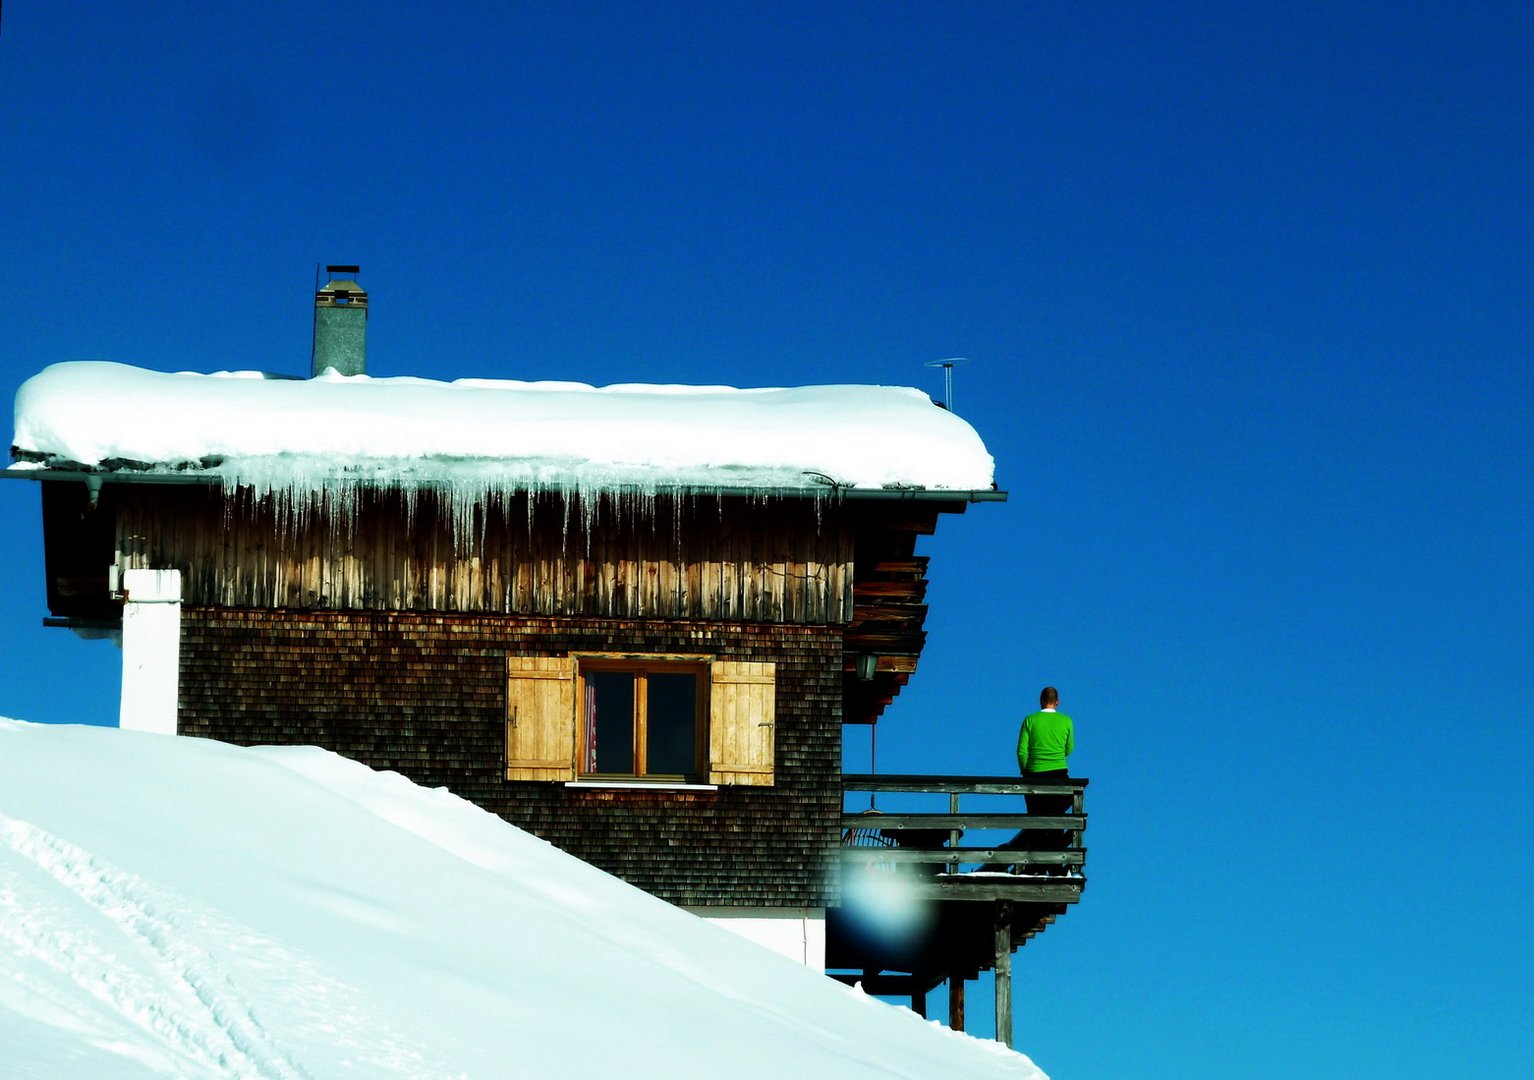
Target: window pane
column 671, row 740
column 610, row 722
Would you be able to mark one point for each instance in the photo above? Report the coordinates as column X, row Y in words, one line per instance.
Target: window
column 657, row 719
column 642, row 720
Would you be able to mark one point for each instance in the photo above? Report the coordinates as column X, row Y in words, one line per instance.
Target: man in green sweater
column 1046, row 739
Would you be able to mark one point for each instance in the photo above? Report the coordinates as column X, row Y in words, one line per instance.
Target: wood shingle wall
column 424, row 694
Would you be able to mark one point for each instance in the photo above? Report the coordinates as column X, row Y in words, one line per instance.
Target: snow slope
column 180, row 907
column 275, row 432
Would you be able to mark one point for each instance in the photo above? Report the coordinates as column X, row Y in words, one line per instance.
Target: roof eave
column 88, row 475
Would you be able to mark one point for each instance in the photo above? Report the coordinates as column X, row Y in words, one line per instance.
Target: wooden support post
column 956, row 1001
column 918, row 1000
column 1004, row 972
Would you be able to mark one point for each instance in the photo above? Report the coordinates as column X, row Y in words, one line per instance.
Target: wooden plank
column 892, row 822
column 692, row 587
column 523, row 591
column 569, row 560
column 728, row 606
column 777, row 583
column 604, row 550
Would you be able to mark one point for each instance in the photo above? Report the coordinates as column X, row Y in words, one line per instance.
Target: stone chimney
column 340, row 323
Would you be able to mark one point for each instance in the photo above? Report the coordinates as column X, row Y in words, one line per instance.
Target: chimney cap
column 340, row 290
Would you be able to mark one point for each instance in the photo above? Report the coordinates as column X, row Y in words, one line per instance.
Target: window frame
column 641, row 666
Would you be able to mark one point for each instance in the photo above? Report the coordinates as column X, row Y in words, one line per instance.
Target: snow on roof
column 536, row 434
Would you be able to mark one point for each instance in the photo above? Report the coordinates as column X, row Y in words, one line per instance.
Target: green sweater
column 1044, row 742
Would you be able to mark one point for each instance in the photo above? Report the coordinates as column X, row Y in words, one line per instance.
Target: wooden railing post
column 953, row 834
column 1073, row 838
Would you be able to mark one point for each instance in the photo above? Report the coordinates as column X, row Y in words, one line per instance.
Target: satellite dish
column 947, row 365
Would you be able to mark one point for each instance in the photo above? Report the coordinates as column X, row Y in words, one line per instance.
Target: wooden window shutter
column 540, row 718
column 742, row 719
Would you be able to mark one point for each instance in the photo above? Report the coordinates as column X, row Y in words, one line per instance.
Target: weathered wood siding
column 426, row 695
column 702, row 557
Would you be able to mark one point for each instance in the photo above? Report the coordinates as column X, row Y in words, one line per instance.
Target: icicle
column 299, row 494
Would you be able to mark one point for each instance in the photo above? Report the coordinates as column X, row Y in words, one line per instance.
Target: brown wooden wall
column 424, row 694
column 704, row 557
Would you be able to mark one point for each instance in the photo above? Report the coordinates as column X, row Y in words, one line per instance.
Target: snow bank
column 180, row 907
column 538, row 434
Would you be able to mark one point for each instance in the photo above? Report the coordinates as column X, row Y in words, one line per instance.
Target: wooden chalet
column 655, row 678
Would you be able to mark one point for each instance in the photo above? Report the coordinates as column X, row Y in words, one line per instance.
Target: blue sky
column 1247, row 300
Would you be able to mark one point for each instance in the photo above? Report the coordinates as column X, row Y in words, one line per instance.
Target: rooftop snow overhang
column 108, row 422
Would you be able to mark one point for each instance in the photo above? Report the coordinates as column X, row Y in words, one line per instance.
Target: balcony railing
column 955, row 842
column 998, row 852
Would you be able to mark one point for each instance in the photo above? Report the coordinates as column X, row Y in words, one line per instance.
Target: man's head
column 1049, row 697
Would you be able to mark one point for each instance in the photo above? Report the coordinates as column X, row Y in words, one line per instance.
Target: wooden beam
column 956, row 1001
column 916, row 566
column 993, row 785
column 1073, row 857
column 908, row 590
column 967, row 888
column 979, row 820
column 888, row 613
column 1004, row 973
column 892, row 648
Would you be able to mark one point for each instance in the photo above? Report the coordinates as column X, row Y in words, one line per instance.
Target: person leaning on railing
column 1045, row 740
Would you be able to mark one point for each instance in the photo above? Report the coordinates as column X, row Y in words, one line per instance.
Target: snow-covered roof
column 279, row 430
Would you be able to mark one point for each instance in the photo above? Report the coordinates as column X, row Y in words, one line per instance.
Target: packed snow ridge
column 180, row 907
column 275, row 432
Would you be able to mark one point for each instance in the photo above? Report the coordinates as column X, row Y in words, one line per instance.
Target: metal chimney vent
column 340, row 323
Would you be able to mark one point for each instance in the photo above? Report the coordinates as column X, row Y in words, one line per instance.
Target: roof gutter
column 94, row 478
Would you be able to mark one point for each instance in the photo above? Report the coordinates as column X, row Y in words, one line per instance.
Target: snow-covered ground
column 180, row 907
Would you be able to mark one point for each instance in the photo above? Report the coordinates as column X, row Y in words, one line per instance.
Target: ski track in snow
column 197, row 1007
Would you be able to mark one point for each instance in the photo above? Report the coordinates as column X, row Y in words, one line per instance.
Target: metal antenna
column 948, row 366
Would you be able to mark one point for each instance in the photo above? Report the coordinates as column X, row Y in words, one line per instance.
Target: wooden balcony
column 975, row 873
